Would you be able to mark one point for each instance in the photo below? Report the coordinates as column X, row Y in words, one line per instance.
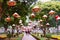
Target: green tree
column 22, row 8
column 45, row 9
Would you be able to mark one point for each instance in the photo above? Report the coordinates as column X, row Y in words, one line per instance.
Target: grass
column 38, row 36
column 48, row 36
column 12, row 38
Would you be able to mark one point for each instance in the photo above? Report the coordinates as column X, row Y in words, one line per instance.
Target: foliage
column 1, row 0
column 45, row 8
column 22, row 9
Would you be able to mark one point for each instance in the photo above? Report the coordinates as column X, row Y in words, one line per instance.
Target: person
column 15, row 32
column 9, row 34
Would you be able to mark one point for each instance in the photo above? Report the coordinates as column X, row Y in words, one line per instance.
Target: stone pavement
column 28, row 37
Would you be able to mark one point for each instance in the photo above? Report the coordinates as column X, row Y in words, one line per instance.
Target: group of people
column 27, row 29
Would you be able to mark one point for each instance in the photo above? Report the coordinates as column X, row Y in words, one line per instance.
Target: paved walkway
column 28, row 37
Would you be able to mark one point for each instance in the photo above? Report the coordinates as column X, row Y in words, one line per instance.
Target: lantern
column 52, row 12
column 47, row 24
column 13, row 25
column 44, row 16
column 16, row 15
column 41, row 25
column 20, row 21
column 32, row 15
column 57, row 17
column 8, row 19
column 41, row 20
column 11, row 3
column 36, row 9
column 21, row 24
column 29, row 24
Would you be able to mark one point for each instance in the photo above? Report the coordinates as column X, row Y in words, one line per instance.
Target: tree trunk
column 44, row 31
column 1, row 10
column 48, row 30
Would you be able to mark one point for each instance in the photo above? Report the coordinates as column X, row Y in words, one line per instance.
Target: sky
column 44, row 0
